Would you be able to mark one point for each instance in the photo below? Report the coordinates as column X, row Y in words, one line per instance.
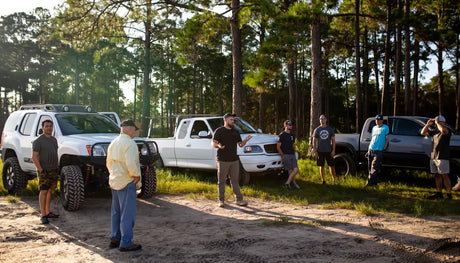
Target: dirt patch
column 176, row 229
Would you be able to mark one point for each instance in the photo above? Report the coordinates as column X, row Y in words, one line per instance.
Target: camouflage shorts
column 48, row 179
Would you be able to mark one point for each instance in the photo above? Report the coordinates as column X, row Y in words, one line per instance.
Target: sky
column 12, row 6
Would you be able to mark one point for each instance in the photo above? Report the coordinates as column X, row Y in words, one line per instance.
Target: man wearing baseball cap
column 226, row 139
column 286, row 148
column 378, row 144
column 439, row 162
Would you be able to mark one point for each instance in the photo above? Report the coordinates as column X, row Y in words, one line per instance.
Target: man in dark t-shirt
column 324, row 147
column 226, row 139
column 286, row 148
column 439, row 162
column 45, row 158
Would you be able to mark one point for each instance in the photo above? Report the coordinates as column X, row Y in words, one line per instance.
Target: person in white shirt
column 125, row 178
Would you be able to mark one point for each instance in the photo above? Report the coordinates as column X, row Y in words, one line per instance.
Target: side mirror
column 259, row 130
column 204, row 134
column 40, row 131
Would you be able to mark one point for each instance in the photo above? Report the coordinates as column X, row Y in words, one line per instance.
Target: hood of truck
column 260, row 138
column 89, row 139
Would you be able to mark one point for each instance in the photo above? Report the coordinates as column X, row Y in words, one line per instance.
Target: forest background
column 267, row 61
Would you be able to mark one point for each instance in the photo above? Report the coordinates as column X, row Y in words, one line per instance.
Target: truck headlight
column 144, row 150
column 99, row 150
column 253, row 149
column 153, row 147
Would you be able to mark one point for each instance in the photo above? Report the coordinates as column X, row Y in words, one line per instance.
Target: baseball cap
column 440, row 118
column 379, row 117
column 128, row 123
column 229, row 115
column 288, row 122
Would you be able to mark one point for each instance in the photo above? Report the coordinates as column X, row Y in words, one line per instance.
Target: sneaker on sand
column 456, row 187
column 297, row 186
column 44, row 220
column 437, row 195
column 133, row 247
column 242, row 203
column 221, row 204
column 114, row 243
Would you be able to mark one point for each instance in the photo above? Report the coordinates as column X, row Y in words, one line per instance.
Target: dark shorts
column 325, row 156
column 48, row 179
column 289, row 161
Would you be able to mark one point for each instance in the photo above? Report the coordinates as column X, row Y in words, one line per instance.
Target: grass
column 397, row 192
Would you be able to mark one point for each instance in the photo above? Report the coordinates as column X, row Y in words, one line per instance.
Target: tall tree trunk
column 359, row 114
column 262, row 120
column 441, row 80
column 291, row 84
column 457, row 82
column 315, row 106
column 415, row 78
column 237, row 58
column 366, row 72
column 407, row 50
column 376, row 72
column 398, row 62
column 146, row 80
column 385, row 106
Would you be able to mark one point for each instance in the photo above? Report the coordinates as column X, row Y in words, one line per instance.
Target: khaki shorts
column 48, row 179
column 439, row 166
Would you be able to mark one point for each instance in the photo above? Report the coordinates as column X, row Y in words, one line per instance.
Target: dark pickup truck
column 407, row 150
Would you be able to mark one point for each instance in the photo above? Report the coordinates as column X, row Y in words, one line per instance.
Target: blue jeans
column 373, row 164
column 123, row 214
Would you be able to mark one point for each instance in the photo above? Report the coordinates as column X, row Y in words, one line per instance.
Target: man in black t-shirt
column 226, row 139
column 439, row 163
column 286, row 148
column 45, row 158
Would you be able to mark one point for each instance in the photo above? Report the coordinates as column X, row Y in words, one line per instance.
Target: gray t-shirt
column 323, row 136
column 47, row 149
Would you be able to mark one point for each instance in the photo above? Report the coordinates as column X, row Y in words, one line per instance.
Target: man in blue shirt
column 379, row 143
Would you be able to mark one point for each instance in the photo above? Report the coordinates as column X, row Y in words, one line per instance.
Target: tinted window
column 240, row 125
column 85, row 123
column 406, row 127
column 197, row 127
column 27, row 124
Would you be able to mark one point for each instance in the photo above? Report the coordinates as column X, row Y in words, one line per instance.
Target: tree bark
column 407, row 50
column 146, row 80
column 358, row 71
column 385, row 105
column 237, row 58
column 315, row 106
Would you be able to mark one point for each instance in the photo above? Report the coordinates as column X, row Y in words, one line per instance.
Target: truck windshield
column 240, row 125
column 79, row 123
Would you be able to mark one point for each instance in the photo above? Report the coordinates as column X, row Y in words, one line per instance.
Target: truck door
column 407, row 147
column 27, row 136
column 194, row 151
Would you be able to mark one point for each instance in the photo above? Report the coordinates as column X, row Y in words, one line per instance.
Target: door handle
column 188, row 145
column 367, row 139
column 395, row 140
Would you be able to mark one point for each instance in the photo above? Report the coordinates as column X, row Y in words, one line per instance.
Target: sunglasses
column 322, row 118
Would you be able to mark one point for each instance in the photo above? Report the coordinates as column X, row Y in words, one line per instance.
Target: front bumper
column 261, row 163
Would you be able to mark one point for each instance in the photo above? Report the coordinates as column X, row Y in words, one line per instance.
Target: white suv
column 83, row 137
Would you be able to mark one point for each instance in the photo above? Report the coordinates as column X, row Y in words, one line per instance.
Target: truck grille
column 270, row 148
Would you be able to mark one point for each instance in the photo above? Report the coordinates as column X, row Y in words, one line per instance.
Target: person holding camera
column 439, row 162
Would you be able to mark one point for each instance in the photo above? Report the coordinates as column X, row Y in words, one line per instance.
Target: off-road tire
column 72, row 187
column 14, row 179
column 344, row 165
column 245, row 177
column 149, row 182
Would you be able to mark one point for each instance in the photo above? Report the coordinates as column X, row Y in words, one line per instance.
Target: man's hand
column 136, row 179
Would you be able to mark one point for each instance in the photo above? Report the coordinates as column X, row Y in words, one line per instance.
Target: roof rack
column 58, row 107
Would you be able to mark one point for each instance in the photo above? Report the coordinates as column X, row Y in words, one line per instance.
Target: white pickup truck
column 191, row 147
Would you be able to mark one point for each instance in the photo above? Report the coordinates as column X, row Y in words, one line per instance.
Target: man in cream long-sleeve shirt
column 125, row 174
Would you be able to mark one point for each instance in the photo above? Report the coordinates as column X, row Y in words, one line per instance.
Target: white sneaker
column 242, row 203
column 221, row 204
column 456, row 187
